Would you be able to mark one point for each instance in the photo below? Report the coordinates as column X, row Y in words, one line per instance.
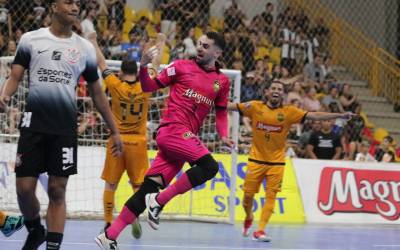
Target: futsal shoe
column 136, row 229
column 105, row 243
column 12, row 224
column 35, row 238
column 261, row 236
column 153, row 210
column 246, row 227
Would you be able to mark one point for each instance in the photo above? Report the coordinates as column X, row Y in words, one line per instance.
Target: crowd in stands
column 284, row 45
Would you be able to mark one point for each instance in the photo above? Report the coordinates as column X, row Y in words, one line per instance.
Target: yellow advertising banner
column 212, row 198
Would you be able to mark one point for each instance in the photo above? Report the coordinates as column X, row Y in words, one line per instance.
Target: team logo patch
column 72, row 55
column 280, row 117
column 56, row 56
column 217, row 86
column 171, row 71
column 188, row 135
column 18, row 160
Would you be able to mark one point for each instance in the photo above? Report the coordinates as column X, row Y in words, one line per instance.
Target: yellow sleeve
column 246, row 108
column 295, row 114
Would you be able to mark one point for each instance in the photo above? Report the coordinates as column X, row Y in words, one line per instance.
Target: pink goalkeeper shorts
column 176, row 145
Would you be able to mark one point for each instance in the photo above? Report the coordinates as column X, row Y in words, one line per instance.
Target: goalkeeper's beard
column 203, row 61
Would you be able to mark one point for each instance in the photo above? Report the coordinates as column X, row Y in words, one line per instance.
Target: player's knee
column 56, row 194
column 247, row 200
column 110, row 187
column 270, row 194
column 209, row 165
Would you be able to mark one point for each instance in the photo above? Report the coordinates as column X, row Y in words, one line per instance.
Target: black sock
column 33, row 224
column 53, row 241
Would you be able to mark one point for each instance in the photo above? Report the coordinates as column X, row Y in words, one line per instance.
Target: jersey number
column 267, row 136
column 133, row 109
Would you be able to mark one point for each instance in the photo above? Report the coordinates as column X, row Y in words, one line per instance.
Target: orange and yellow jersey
column 129, row 104
column 270, row 129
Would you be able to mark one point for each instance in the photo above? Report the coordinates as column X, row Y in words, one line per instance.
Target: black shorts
column 38, row 153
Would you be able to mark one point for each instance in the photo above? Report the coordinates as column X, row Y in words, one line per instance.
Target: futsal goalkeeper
column 271, row 122
column 196, row 86
column 129, row 105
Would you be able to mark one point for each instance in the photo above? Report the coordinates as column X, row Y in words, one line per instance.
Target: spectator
column 116, row 12
column 11, row 48
column 384, row 147
column 233, row 16
column 322, row 34
column 389, row 157
column 347, row 99
column 2, row 46
column 203, row 6
column 327, row 67
column 189, row 44
column 133, row 48
column 268, row 17
column 296, row 93
column 308, row 44
column 332, row 102
column 313, row 71
column 324, row 144
column 309, row 127
column 87, row 25
column 289, row 41
column 228, row 56
column 310, row 101
column 36, row 14
column 363, row 155
column 140, row 28
column 5, row 19
column 169, row 17
column 178, row 51
column 188, row 12
column 249, row 89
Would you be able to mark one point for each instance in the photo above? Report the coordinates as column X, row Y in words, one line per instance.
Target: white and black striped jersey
column 54, row 66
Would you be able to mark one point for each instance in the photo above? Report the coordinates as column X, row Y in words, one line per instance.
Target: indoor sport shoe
column 12, row 224
column 246, row 227
column 104, row 243
column 261, row 236
column 153, row 210
column 35, row 238
column 136, row 229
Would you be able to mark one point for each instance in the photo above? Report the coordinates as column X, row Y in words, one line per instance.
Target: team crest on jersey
column 171, row 71
column 217, row 86
column 247, row 105
column 72, row 55
column 56, row 56
column 188, row 135
column 280, row 117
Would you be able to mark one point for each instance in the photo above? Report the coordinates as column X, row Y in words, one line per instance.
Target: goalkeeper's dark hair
column 129, row 66
column 218, row 39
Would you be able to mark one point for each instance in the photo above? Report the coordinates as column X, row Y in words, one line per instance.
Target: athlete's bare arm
column 11, row 85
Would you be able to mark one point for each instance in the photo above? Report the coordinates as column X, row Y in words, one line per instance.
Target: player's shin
column 267, row 209
column 134, row 206
column 108, row 205
column 203, row 170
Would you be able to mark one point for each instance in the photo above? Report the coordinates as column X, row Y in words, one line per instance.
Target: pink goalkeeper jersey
column 193, row 92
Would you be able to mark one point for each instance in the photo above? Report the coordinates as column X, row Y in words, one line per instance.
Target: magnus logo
column 268, row 128
column 355, row 190
column 199, row 98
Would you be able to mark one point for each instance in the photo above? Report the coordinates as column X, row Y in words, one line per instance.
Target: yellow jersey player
column 270, row 125
column 129, row 105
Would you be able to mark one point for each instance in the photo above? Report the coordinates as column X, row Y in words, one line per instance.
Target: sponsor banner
column 349, row 192
column 212, row 198
column 85, row 190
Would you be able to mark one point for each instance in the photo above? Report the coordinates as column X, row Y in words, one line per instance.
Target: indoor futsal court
column 198, row 236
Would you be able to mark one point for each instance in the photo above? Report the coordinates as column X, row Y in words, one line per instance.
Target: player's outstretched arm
column 101, row 60
column 101, row 104
column 148, row 55
column 11, row 85
column 233, row 106
column 329, row 116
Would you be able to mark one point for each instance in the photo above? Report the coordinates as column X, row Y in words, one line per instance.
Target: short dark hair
column 218, row 39
column 129, row 66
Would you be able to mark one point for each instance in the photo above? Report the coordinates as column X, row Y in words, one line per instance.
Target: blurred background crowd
column 281, row 44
